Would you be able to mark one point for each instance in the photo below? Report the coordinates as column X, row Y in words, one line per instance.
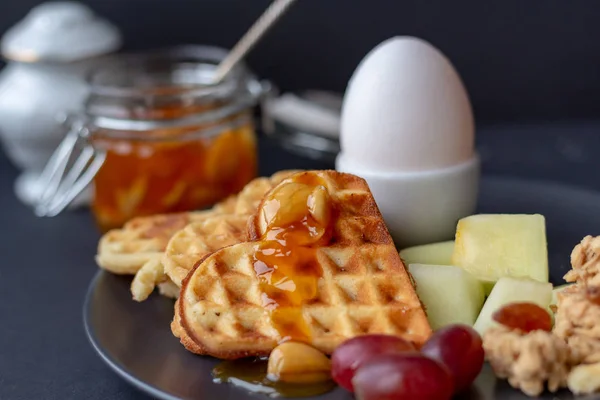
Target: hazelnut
column 584, row 379
column 292, row 202
column 319, row 205
column 296, row 362
column 285, row 205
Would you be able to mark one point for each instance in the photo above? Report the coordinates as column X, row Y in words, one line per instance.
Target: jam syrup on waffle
column 298, row 219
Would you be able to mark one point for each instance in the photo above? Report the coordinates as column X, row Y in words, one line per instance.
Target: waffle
column 181, row 334
column 208, row 231
column 199, row 239
column 364, row 287
column 144, row 239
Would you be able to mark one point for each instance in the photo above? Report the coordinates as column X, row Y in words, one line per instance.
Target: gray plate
column 135, row 340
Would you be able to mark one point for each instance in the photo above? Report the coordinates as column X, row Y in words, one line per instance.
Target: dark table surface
column 48, row 263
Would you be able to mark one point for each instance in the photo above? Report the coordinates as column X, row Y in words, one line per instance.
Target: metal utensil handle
column 245, row 44
column 55, row 168
column 66, row 194
column 63, row 179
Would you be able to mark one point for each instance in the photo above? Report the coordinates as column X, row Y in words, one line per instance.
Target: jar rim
column 167, row 72
column 125, row 90
column 93, row 132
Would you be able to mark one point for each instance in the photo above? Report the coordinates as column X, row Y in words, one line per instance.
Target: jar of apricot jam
column 168, row 140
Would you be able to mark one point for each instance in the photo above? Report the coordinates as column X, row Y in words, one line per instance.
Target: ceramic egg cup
column 422, row 207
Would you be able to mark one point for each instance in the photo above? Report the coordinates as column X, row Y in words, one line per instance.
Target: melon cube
column 512, row 290
column 434, row 253
column 450, row 294
column 492, row 246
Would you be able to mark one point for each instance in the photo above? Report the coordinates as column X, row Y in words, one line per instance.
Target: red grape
column 526, row 317
column 408, row 376
column 351, row 354
column 460, row 349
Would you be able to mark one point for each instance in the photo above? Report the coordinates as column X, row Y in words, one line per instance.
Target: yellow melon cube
column 450, row 294
column 493, row 246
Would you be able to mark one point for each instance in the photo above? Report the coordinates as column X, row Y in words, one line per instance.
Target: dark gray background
column 520, row 60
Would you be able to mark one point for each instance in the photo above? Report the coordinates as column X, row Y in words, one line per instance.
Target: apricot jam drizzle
column 296, row 219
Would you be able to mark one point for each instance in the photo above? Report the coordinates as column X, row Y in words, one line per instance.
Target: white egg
column 406, row 109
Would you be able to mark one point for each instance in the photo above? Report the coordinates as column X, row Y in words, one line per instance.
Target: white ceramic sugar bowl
column 48, row 54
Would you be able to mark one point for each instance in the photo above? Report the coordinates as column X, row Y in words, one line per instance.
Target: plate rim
column 139, row 384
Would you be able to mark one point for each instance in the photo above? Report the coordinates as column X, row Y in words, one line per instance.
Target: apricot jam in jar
column 170, row 139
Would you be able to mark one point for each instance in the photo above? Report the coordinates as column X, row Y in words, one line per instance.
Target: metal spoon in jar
column 252, row 36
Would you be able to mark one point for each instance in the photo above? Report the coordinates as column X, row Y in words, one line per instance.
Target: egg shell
column 406, row 109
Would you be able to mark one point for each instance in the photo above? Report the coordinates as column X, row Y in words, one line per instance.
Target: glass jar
column 167, row 139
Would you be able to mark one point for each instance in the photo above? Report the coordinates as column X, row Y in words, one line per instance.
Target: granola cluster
column 578, row 323
column 585, row 261
column 570, row 354
column 578, row 315
column 530, row 361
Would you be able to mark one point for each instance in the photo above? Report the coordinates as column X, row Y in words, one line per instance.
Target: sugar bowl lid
column 62, row 31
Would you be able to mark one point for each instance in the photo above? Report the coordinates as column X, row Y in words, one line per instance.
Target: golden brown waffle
column 181, row 334
column 143, row 239
column 139, row 246
column 364, row 287
column 204, row 237
column 196, row 240
column 126, row 250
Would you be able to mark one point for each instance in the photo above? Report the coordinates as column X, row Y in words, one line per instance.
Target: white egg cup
column 423, row 206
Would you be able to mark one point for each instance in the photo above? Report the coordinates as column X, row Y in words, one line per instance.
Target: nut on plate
column 585, row 262
column 296, row 362
column 584, row 379
column 318, row 205
column 292, row 201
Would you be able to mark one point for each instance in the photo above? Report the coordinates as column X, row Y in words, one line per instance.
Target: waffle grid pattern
column 192, row 243
column 364, row 288
column 143, row 239
column 199, row 239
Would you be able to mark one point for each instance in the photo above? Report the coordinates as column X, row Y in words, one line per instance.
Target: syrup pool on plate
column 251, row 374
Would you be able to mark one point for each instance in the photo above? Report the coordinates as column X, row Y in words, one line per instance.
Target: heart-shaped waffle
column 196, row 240
column 144, row 239
column 362, row 286
column 199, row 239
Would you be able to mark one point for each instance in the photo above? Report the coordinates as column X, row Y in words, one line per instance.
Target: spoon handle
column 245, row 44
